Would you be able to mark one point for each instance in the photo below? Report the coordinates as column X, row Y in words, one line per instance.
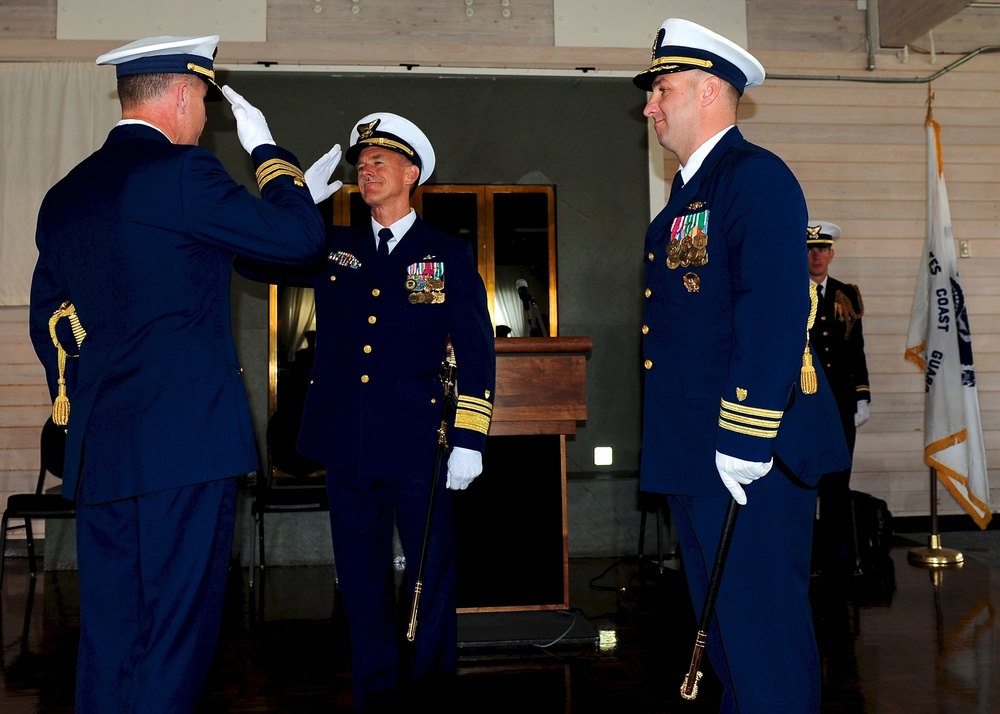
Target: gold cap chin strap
column 60, row 407
column 807, row 376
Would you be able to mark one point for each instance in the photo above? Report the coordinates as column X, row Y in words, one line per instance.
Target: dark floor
column 929, row 645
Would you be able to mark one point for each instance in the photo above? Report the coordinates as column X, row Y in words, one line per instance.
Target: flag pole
column 934, row 556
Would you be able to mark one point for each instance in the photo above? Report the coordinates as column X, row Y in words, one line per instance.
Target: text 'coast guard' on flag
column 940, row 343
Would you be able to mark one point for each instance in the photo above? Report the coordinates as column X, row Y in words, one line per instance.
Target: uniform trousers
column 761, row 641
column 362, row 514
column 153, row 573
column 833, row 543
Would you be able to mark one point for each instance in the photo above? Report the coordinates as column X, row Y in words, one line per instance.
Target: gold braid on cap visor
column 204, row 72
column 704, row 64
column 380, row 141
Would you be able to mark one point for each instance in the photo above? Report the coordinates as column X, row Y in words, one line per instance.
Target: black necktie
column 384, row 236
column 819, row 291
column 676, row 184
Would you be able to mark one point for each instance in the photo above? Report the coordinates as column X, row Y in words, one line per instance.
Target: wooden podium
column 511, row 525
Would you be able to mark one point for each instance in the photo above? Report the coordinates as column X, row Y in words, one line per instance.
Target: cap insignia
column 365, row 131
column 656, row 43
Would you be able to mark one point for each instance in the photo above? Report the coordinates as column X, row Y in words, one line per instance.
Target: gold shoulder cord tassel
column 60, row 407
column 807, row 377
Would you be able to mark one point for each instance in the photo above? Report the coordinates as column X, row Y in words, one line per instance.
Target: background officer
column 838, row 340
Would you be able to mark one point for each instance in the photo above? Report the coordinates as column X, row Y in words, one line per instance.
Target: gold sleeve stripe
column 739, row 419
column 864, row 388
column 748, row 431
column 465, row 419
column 752, row 411
column 476, row 404
column 273, row 168
column 750, row 421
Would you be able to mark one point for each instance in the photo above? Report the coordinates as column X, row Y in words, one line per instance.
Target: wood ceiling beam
column 903, row 21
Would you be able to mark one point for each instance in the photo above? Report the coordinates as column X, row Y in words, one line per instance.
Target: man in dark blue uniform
column 730, row 389
column 390, row 297
column 140, row 238
column 839, row 342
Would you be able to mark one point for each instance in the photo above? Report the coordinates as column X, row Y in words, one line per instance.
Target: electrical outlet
column 964, row 249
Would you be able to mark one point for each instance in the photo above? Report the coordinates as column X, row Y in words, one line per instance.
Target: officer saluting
column 838, row 339
column 140, row 238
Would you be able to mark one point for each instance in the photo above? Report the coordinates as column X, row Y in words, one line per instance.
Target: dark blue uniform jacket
column 140, row 236
column 725, row 328
column 374, row 406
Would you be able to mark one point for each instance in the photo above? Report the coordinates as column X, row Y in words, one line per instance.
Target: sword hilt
column 689, row 688
column 411, row 629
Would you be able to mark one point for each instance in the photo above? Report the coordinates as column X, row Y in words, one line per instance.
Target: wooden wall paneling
column 813, row 26
column 529, row 22
column 24, row 405
column 805, row 25
column 903, row 21
column 28, row 19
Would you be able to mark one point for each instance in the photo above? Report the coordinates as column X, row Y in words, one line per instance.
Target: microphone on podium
column 522, row 290
column 532, row 314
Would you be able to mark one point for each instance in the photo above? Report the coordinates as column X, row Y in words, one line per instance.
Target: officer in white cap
column 139, row 238
column 838, row 338
column 730, row 388
column 391, row 296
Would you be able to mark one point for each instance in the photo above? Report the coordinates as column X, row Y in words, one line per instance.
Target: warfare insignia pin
column 696, row 205
column 692, row 282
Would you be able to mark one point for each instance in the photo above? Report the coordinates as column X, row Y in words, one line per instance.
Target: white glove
column 735, row 472
column 251, row 127
column 319, row 174
column 463, row 466
column 862, row 413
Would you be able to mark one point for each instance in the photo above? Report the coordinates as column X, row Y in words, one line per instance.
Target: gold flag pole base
column 934, row 556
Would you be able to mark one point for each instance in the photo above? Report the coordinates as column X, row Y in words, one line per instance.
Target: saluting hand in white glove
column 862, row 414
column 251, row 127
column 463, row 466
column 736, row 473
column 318, row 175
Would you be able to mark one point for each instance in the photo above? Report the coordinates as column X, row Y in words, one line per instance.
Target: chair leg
column 260, row 539
column 31, row 546
column 253, row 547
column 3, row 546
column 659, row 537
column 642, row 532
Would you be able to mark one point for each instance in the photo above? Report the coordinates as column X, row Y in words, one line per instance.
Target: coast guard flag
column 939, row 342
